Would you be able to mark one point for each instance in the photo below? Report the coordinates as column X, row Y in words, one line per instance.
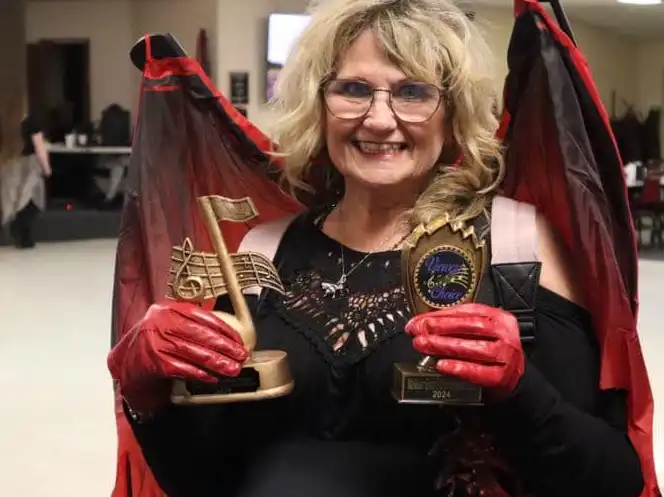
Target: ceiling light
column 640, row 2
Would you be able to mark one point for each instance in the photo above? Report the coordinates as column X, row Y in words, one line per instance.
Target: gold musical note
column 197, row 275
column 185, row 285
column 237, row 210
column 204, row 275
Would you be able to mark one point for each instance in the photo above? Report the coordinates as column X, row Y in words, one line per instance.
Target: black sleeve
column 31, row 127
column 563, row 451
column 190, row 450
column 198, row 451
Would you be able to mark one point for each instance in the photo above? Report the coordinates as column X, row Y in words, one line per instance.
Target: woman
column 24, row 163
column 390, row 102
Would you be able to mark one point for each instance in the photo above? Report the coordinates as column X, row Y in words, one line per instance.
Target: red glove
column 475, row 343
column 173, row 340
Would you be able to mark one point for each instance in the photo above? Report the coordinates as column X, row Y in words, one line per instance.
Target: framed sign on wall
column 239, row 85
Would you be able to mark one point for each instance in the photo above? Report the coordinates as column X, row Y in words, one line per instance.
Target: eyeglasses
column 411, row 102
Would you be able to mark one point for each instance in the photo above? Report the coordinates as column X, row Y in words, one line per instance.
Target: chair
column 648, row 204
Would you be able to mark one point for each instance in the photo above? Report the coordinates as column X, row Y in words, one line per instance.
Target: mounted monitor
column 282, row 32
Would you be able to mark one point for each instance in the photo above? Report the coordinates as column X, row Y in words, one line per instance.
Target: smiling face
column 378, row 150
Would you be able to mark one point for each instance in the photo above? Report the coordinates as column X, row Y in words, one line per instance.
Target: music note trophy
column 442, row 264
column 196, row 276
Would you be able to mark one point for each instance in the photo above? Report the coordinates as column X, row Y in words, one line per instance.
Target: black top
column 29, row 128
column 341, row 434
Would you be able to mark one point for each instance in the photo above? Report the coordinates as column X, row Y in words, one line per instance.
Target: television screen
column 282, row 31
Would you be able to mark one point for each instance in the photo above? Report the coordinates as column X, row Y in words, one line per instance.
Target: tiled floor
column 57, row 433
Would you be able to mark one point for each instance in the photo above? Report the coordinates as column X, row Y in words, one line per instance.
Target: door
column 45, row 76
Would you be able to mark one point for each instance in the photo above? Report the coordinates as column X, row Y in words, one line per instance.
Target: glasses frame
column 327, row 82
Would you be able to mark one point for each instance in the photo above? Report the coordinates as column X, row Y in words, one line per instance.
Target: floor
column 57, row 430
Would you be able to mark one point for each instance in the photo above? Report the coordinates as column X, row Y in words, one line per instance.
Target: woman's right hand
column 174, row 340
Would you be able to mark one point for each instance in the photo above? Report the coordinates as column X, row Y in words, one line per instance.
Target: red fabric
column 562, row 157
column 652, row 191
column 189, row 142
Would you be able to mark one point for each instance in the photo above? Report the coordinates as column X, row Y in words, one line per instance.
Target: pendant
column 334, row 289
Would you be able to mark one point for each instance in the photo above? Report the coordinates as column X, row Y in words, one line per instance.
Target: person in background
column 24, row 163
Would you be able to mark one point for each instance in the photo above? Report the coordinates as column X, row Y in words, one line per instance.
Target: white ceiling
column 643, row 22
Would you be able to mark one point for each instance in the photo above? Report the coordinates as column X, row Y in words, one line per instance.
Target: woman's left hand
column 474, row 343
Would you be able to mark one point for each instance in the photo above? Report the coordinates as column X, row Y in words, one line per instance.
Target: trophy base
column 265, row 375
column 412, row 386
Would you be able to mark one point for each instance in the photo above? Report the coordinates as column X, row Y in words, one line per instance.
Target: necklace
column 337, row 289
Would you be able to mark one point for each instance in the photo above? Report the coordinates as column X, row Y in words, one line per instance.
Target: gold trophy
column 197, row 276
column 442, row 264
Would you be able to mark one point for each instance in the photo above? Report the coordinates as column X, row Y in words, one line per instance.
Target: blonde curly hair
column 430, row 40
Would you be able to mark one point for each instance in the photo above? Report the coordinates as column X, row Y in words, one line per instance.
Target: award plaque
column 442, row 264
column 197, row 276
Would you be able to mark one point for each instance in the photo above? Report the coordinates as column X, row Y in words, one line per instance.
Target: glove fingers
column 479, row 351
column 207, row 338
column 203, row 357
column 204, row 318
column 486, row 376
column 454, row 326
column 469, row 309
column 179, row 369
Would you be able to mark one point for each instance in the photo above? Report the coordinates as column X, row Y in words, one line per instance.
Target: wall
column 650, row 78
column 183, row 18
column 237, row 42
column 112, row 28
column 650, row 75
column 613, row 63
column 244, row 49
column 12, row 35
column 107, row 24
column 612, row 59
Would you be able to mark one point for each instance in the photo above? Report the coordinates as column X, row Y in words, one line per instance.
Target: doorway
column 58, row 74
column 59, row 85
column 661, row 120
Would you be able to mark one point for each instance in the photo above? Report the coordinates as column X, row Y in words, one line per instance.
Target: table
column 116, row 165
column 60, row 148
column 638, row 183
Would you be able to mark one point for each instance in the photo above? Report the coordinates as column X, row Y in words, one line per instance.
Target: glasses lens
column 415, row 102
column 347, row 99
column 411, row 102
